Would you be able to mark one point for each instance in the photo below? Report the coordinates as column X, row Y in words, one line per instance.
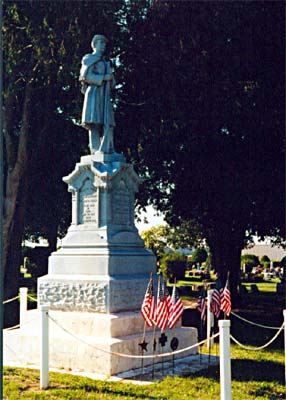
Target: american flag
column 226, row 299
column 201, row 305
column 162, row 305
column 148, row 308
column 167, row 295
column 215, row 299
column 176, row 309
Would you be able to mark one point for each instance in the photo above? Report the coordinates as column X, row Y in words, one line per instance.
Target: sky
column 152, row 218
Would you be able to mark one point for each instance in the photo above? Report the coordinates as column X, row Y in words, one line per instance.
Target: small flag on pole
column 148, row 308
column 215, row 299
column 201, row 305
column 162, row 305
column 176, row 309
column 167, row 295
column 226, row 299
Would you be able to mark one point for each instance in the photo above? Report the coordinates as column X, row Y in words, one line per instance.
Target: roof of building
column 275, row 253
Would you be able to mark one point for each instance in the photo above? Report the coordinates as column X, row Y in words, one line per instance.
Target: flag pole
column 175, row 282
column 227, row 279
column 143, row 343
column 154, row 348
column 154, row 333
column 142, row 350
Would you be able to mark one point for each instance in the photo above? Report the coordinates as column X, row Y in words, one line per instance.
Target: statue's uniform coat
column 94, row 88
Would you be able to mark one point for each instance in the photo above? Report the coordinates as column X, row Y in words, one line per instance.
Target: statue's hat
column 98, row 37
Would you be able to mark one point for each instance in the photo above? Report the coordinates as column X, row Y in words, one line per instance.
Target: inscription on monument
column 121, row 205
column 88, row 203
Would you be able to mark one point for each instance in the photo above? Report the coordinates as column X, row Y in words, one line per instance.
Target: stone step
column 89, row 353
column 93, row 324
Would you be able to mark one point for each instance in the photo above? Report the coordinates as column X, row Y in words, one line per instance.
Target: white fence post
column 23, row 303
column 225, row 368
column 44, row 352
column 210, row 321
column 284, row 313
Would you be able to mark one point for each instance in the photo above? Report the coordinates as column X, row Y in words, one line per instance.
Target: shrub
column 250, row 261
column 173, row 266
column 199, row 256
column 276, row 264
column 265, row 259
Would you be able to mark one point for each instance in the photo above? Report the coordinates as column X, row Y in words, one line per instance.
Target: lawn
column 267, row 286
column 255, row 375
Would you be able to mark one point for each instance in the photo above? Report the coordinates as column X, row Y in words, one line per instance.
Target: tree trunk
column 12, row 240
column 226, row 255
column 52, row 237
column 14, row 204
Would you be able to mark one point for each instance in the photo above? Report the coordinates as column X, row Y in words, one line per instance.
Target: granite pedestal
column 97, row 280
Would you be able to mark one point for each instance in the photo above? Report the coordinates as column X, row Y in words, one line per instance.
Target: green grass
column 265, row 286
column 255, row 375
column 269, row 287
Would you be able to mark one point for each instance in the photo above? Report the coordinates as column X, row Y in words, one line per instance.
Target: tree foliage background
column 204, row 109
column 199, row 106
column 43, row 43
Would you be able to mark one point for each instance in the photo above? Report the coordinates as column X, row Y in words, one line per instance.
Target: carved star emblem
column 163, row 339
column 143, row 345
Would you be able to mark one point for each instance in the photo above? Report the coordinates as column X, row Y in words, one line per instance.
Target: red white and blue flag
column 176, row 309
column 163, row 304
column 148, row 308
column 215, row 302
column 202, row 305
column 167, row 295
column 226, row 299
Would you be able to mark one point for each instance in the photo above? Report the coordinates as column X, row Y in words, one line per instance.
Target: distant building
column 275, row 253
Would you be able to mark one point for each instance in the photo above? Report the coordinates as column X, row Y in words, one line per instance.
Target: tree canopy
column 204, row 93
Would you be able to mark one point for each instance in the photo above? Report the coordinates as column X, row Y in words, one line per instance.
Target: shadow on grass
column 261, row 371
column 267, row 390
column 250, row 370
column 112, row 391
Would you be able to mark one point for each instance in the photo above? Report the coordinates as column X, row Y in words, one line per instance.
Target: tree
column 199, row 256
column 158, row 238
column 173, row 266
column 43, row 43
column 250, row 261
column 204, row 91
column 265, row 261
column 184, row 236
column 155, row 239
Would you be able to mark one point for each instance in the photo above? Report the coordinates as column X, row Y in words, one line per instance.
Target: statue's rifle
column 107, row 102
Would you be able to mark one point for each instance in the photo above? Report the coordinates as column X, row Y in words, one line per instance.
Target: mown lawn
column 255, row 375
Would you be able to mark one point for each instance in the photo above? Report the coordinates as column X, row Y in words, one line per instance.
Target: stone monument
column 97, row 280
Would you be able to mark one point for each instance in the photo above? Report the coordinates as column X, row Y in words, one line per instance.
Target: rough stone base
column 86, row 341
column 104, row 294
